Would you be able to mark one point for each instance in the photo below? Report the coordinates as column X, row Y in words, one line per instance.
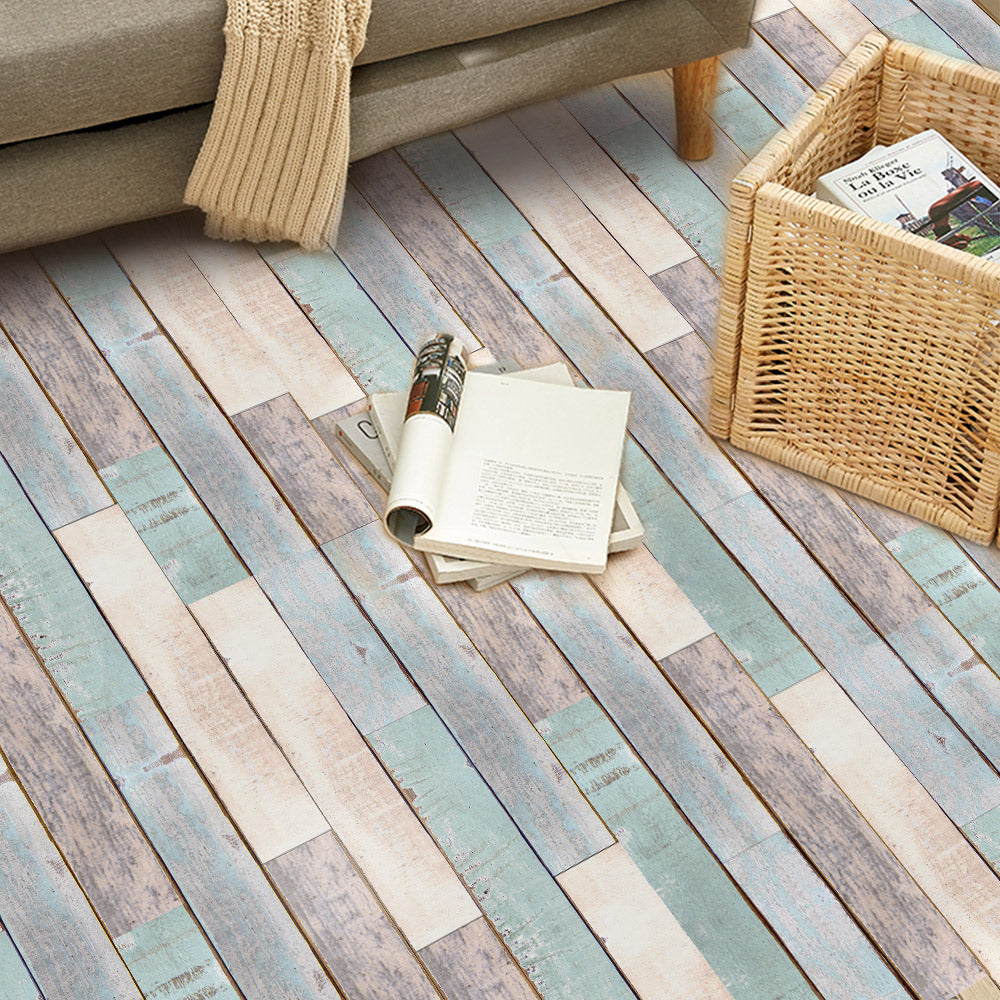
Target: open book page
column 531, row 475
column 924, row 185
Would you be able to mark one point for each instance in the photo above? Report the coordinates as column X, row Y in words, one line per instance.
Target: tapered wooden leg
column 694, row 92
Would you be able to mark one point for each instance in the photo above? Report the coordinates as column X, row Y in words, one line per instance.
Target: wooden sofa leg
column 694, row 93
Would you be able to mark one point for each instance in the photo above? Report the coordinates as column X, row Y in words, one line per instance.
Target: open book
column 504, row 469
column 926, row 186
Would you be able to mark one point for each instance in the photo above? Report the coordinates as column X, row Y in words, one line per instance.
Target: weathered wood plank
column 47, row 916
column 189, row 309
column 470, row 963
column 640, row 933
column 599, row 183
column 696, row 889
column 304, row 469
column 519, row 768
column 836, row 839
column 448, row 258
column 809, row 52
column 364, row 808
column 811, row 922
column 350, row 931
column 187, row 546
column 918, row 833
column 984, row 990
column 577, row 238
column 839, row 20
column 13, row 973
column 63, row 358
column 273, row 322
column 741, row 115
column 40, row 449
column 764, row 73
column 974, row 30
column 226, row 738
column 522, row 901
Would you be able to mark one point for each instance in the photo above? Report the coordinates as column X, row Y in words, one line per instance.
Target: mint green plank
column 521, row 899
column 689, row 880
column 486, row 722
column 156, row 951
column 223, row 884
column 174, row 526
column 339, row 641
column 14, row 975
column 41, row 451
column 806, row 915
column 341, row 310
column 46, row 913
column 56, row 612
column 724, row 595
column 666, row 179
column 937, row 753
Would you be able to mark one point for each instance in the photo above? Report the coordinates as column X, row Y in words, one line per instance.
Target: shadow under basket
column 850, row 349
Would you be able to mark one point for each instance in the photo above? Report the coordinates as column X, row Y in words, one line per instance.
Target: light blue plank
column 766, row 75
column 339, row 641
column 186, row 544
column 821, row 935
column 56, row 612
column 46, row 914
column 741, row 116
column 732, row 938
column 156, row 951
column 41, row 451
column 14, row 975
column 984, row 832
column 266, row 955
column 521, row 899
column 919, row 29
column 486, row 722
column 341, row 310
column 971, row 28
column 667, row 180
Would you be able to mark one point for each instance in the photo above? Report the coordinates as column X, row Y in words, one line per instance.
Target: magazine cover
column 925, row 186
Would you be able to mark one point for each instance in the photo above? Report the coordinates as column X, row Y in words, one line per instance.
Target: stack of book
column 493, row 471
column 924, row 185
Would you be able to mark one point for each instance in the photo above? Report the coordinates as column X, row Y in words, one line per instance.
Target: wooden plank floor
column 250, row 751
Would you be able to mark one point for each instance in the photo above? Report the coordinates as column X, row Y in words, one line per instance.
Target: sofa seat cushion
column 67, row 65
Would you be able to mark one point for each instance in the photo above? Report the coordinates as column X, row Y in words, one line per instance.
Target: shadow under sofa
column 104, row 105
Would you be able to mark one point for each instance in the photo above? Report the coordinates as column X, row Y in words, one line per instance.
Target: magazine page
column 532, row 475
column 925, row 186
column 431, row 412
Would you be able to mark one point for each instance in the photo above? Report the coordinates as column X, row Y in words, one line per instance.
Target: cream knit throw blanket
column 273, row 165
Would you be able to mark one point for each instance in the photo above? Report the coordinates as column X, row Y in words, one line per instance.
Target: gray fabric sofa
column 104, row 103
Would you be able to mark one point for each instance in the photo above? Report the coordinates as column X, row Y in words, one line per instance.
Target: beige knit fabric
column 273, row 165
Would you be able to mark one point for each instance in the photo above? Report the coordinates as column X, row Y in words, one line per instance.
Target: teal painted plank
column 56, row 612
column 343, row 313
column 155, row 951
column 187, row 546
column 937, row 753
column 486, row 722
column 47, row 915
column 339, row 641
column 267, row 956
column 666, row 179
column 523, row 902
column 808, row 918
column 710, row 578
column 13, row 973
column 689, row 880
column 41, row 451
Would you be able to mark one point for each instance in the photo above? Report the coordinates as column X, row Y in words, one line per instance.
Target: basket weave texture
column 847, row 348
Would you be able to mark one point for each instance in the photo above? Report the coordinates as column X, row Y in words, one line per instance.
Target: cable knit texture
column 273, row 165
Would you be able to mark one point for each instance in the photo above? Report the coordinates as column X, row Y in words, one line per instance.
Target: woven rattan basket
column 847, row 348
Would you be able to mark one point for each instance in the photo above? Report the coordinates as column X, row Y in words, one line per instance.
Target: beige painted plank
column 643, row 937
column 625, row 291
column 233, row 368
column 247, row 770
column 631, row 218
column 954, row 877
column 653, row 607
column 766, row 8
column 377, row 827
column 985, row 990
column 274, row 323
